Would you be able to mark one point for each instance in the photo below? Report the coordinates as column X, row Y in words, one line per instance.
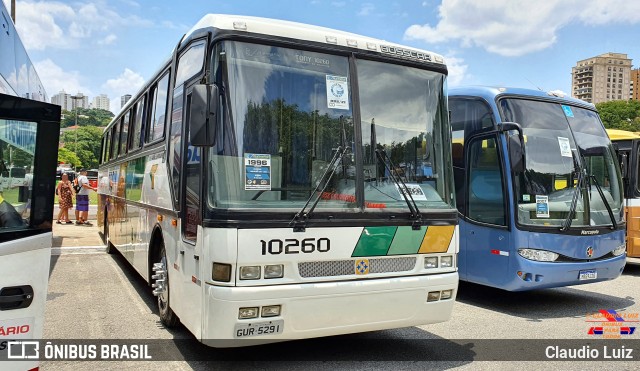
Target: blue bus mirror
column 203, row 109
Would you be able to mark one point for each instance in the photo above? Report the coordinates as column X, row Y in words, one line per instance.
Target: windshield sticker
column 565, row 147
column 526, row 198
column 415, row 190
column 337, row 92
column 542, row 206
column 257, row 170
column 567, row 111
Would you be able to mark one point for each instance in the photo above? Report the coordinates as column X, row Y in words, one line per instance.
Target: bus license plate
column 589, row 274
column 245, row 330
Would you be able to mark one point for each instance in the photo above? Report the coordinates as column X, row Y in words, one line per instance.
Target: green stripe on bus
column 407, row 241
column 374, row 241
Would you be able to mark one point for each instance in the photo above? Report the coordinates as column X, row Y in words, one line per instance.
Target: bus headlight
column 274, row 271
column 446, row 261
column 248, row 312
column 431, row 262
column 251, row 272
column 538, row 255
column 619, row 250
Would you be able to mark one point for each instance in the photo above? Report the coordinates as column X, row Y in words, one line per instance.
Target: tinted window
column 486, row 195
column 137, row 125
column 159, row 109
column 190, row 63
column 115, row 137
column 124, row 133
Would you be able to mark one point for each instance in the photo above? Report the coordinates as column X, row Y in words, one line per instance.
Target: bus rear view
column 538, row 188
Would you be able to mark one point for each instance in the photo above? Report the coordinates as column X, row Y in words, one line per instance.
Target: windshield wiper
column 574, row 200
column 299, row 221
column 614, row 225
column 416, row 215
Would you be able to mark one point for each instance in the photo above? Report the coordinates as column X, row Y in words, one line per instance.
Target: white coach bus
column 278, row 181
column 29, row 132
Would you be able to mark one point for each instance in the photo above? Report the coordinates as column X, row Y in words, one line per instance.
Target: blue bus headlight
column 619, row 250
column 538, row 255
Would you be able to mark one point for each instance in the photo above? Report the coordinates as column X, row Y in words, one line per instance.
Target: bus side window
column 124, row 133
column 486, row 193
column 136, row 140
column 158, row 109
column 115, row 137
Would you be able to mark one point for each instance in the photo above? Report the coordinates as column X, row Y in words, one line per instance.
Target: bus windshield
column 287, row 112
column 568, row 155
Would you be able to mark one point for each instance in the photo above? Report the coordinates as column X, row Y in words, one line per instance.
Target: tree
column 88, row 146
column 68, row 157
column 86, row 117
column 620, row 114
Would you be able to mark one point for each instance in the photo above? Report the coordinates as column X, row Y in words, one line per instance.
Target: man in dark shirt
column 9, row 217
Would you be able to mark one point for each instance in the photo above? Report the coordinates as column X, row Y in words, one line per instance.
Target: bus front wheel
column 161, row 290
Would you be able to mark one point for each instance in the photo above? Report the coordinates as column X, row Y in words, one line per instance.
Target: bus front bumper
column 324, row 309
column 539, row 275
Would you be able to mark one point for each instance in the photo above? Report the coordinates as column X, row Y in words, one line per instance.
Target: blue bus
column 539, row 190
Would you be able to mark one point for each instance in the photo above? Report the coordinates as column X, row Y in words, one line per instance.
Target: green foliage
column 87, row 146
column 16, row 157
column 620, row 114
column 86, row 117
column 68, row 157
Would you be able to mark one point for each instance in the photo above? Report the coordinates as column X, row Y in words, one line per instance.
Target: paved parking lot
column 93, row 295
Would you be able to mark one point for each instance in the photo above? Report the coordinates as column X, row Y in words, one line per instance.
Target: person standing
column 82, row 198
column 65, row 198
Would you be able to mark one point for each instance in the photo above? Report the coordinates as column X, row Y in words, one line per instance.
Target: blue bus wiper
column 416, row 215
column 299, row 221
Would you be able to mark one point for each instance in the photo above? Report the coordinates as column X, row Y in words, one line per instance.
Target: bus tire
column 167, row 316
column 110, row 248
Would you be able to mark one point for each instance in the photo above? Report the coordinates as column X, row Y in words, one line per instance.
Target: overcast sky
column 112, row 47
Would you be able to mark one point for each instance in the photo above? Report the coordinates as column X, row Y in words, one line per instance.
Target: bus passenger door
column 486, row 236
column 29, row 130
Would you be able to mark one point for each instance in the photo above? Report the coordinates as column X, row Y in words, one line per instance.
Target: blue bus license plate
column 256, row 329
column 589, row 274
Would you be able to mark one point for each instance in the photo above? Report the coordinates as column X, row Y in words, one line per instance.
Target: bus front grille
column 334, row 268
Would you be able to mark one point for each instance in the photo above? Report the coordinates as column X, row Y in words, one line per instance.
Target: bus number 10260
column 295, row 246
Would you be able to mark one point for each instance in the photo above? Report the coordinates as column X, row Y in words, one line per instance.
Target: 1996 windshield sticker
column 542, row 206
column 257, row 169
column 337, row 92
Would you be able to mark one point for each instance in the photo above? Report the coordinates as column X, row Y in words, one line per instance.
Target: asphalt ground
column 93, row 295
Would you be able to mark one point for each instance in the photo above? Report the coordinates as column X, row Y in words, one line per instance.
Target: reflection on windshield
column 561, row 141
column 403, row 114
column 286, row 112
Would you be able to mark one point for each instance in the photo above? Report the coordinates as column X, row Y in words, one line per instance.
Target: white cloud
column 338, row 4
column 457, row 70
column 108, row 40
column 518, row 27
column 52, row 24
column 55, row 79
column 366, row 9
column 127, row 83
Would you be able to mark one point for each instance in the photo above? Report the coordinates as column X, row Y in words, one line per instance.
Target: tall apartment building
column 635, row 84
column 124, row 99
column 80, row 100
column 602, row 78
column 63, row 100
column 102, row 101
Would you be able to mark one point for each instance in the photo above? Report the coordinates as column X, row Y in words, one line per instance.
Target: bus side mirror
column 516, row 146
column 203, row 111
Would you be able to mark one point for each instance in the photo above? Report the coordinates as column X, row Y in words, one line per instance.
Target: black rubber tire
column 167, row 316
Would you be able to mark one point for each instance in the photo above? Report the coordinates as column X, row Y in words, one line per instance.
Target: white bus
column 29, row 131
column 278, row 181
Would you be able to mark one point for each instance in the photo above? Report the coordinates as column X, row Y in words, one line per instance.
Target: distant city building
column 124, row 99
column 635, row 84
column 63, row 100
column 102, row 101
column 80, row 100
column 602, row 78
